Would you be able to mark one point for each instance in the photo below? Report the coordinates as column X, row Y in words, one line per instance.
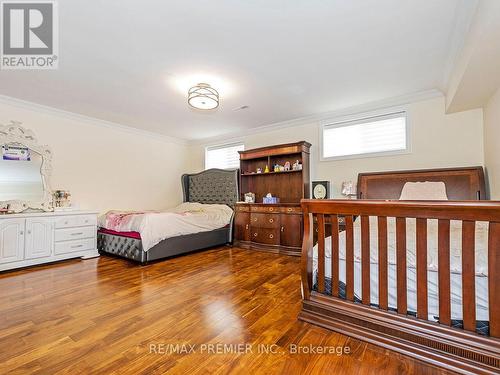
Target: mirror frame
column 14, row 133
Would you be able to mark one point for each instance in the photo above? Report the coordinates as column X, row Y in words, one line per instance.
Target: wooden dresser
column 273, row 227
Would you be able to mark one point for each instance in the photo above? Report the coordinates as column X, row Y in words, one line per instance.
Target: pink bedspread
column 115, row 219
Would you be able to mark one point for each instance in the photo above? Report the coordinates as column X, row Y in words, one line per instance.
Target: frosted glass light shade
column 203, row 96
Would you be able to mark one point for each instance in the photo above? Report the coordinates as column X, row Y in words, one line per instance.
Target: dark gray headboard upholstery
column 214, row 186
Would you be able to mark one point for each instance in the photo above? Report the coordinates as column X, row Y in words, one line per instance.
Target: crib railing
column 469, row 212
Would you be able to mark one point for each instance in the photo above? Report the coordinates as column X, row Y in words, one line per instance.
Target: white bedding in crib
column 481, row 265
column 432, row 289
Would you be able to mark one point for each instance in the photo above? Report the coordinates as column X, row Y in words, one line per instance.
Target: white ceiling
column 123, row 61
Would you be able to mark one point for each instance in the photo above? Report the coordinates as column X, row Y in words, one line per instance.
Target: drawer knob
column 271, row 236
column 77, row 234
column 282, row 229
column 76, row 246
column 87, row 220
column 317, row 230
column 255, row 234
column 21, row 233
column 289, row 209
column 255, row 219
column 271, row 209
column 65, row 223
column 246, row 226
column 271, row 220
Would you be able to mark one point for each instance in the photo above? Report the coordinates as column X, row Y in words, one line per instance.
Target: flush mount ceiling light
column 203, row 96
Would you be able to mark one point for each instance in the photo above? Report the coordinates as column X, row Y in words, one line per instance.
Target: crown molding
column 380, row 104
column 87, row 119
column 371, row 106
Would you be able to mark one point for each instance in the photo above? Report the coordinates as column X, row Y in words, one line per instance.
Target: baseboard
column 275, row 249
column 91, row 255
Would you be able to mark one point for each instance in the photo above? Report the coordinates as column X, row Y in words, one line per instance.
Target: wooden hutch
column 273, row 227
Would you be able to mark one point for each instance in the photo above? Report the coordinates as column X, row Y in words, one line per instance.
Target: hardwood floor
column 107, row 315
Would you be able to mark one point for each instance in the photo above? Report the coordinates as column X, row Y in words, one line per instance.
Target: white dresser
column 27, row 239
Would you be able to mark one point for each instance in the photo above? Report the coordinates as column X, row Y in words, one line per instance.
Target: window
column 375, row 135
column 223, row 156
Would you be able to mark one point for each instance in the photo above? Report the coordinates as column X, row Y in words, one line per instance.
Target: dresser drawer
column 74, row 246
column 75, row 221
column 265, row 209
column 259, row 220
column 265, row 235
column 77, row 233
column 242, row 208
column 291, row 210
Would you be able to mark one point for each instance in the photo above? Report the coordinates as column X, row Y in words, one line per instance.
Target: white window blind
column 223, row 156
column 373, row 135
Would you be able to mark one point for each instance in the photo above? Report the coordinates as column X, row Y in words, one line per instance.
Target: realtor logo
column 29, row 37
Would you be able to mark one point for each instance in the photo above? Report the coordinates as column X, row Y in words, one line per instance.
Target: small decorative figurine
column 276, row 167
column 259, row 170
column 267, row 169
column 348, row 189
column 281, row 168
column 297, row 166
column 287, row 166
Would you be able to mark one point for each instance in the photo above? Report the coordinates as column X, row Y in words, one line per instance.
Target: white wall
column 438, row 140
column 492, row 144
column 105, row 167
column 110, row 168
column 475, row 75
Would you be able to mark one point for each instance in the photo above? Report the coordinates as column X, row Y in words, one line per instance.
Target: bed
column 419, row 277
column 210, row 187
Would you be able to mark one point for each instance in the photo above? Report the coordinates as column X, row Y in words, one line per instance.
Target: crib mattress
column 481, row 282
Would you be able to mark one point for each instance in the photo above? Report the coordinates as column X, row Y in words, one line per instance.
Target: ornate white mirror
column 25, row 168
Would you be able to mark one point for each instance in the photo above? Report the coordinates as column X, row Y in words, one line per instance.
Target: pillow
column 424, row 191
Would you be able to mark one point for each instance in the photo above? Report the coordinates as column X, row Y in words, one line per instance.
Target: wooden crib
column 461, row 349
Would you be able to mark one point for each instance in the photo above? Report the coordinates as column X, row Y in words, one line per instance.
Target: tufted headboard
column 215, row 186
